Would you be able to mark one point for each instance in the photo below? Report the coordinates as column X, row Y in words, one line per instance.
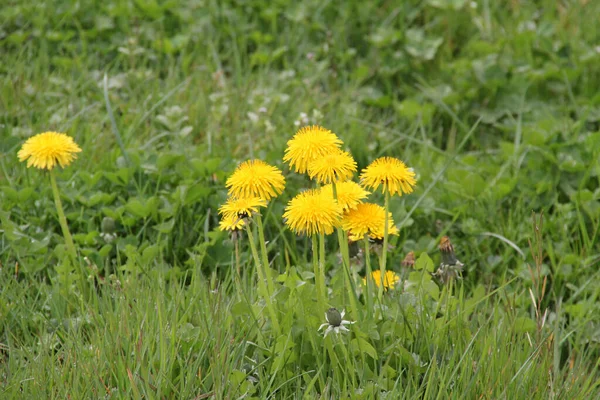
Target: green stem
column 262, row 288
column 265, row 257
column 237, row 256
column 383, row 259
column 334, row 362
column 322, row 264
column 318, row 282
column 238, row 277
column 369, row 274
column 350, row 277
column 63, row 220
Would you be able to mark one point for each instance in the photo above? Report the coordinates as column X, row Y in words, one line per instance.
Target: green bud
column 334, row 317
column 108, row 225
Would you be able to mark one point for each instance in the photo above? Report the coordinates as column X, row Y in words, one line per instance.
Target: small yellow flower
column 333, row 167
column 389, row 281
column 390, row 172
column 242, row 207
column 367, row 219
column 312, row 212
column 231, row 223
column 349, row 194
column 256, row 178
column 309, row 143
column 46, row 150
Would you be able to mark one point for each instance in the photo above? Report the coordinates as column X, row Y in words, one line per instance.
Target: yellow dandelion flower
column 312, row 212
column 390, row 172
column 256, row 178
column 390, row 279
column 46, row 150
column 335, row 166
column 309, row 143
column 231, row 223
column 349, row 194
column 241, row 208
column 367, row 219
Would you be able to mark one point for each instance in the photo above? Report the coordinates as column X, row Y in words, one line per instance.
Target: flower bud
column 108, row 225
column 334, row 317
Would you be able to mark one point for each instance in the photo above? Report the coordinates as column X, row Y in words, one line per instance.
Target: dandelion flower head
column 309, row 143
column 312, row 212
column 241, row 207
column 367, row 218
column 46, row 150
column 231, row 223
column 349, row 194
column 391, row 173
column 332, row 167
column 256, row 178
column 389, row 281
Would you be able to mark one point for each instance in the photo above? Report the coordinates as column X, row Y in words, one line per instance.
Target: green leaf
column 165, row 227
column 424, row 262
column 418, row 46
column 525, row 325
column 360, row 345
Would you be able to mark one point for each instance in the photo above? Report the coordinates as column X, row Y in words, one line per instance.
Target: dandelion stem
column 383, row 259
column 350, row 279
column 237, row 256
column 261, row 280
column 62, row 220
column 369, row 274
column 263, row 251
column 319, row 284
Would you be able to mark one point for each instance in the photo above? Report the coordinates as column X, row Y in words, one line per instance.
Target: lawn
column 491, row 252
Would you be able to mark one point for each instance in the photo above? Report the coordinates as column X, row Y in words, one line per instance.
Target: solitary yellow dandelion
column 312, row 212
column 390, row 279
column 332, row 167
column 46, row 150
column 256, row 178
column 349, row 194
column 367, row 219
column 309, row 143
column 231, row 223
column 390, row 172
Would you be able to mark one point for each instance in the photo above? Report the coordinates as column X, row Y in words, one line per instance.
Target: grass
column 493, row 104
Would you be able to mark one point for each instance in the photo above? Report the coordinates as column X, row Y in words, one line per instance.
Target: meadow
column 147, row 281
